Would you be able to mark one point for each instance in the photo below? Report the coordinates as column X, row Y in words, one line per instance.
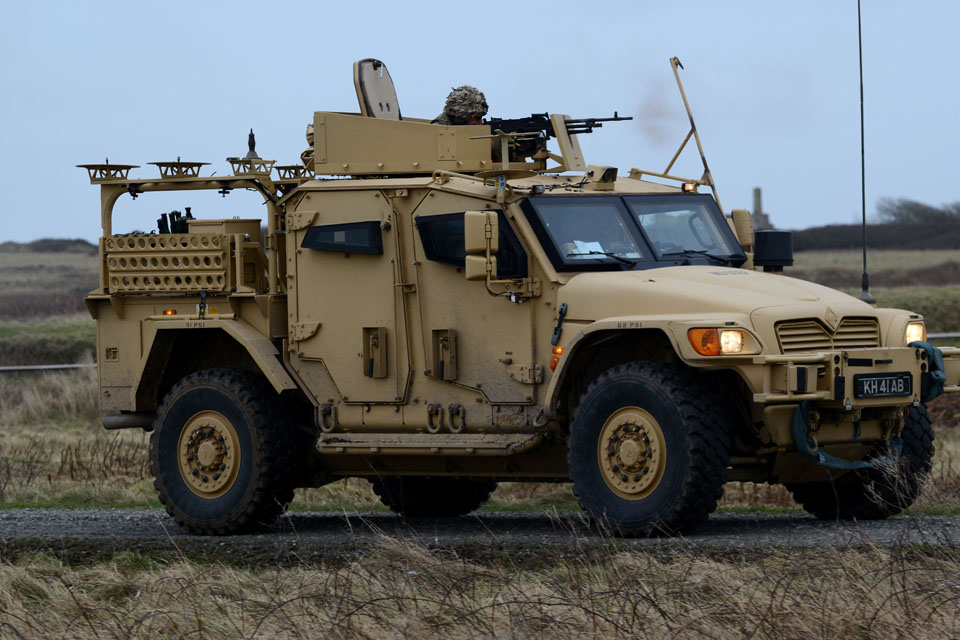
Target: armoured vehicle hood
column 702, row 291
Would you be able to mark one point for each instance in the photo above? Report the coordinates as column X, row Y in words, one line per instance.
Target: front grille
column 810, row 335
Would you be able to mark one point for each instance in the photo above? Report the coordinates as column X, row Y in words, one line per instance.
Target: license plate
column 882, row 385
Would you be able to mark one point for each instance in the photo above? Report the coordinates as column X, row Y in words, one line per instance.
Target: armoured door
column 347, row 316
column 471, row 337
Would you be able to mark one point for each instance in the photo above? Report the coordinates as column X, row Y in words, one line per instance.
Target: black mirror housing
column 773, row 250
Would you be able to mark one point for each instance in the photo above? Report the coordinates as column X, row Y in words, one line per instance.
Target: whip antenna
column 864, row 279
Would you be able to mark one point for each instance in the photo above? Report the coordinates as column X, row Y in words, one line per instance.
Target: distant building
column 761, row 220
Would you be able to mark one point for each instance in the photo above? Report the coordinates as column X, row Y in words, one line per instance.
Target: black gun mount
column 538, row 129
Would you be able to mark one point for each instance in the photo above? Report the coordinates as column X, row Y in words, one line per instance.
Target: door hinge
column 297, row 220
column 526, row 373
column 300, row 331
column 522, row 288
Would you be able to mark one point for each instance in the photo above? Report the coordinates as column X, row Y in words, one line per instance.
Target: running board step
column 480, row 444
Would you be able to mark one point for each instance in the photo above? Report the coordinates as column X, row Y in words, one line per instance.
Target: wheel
column 874, row 494
column 433, row 497
column 221, row 452
column 649, row 448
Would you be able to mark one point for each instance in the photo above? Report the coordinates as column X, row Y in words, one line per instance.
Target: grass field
column 877, row 259
column 65, row 339
column 939, row 306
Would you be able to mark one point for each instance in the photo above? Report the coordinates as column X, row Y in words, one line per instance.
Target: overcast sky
column 773, row 87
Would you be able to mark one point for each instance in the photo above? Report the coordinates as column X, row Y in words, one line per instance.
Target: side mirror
column 743, row 228
column 773, row 250
column 481, row 235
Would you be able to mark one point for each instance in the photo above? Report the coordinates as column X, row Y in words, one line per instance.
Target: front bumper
column 822, row 386
column 827, row 378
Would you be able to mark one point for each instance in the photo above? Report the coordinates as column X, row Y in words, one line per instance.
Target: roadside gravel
column 78, row 535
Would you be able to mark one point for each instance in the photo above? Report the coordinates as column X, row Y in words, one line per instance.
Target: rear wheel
column 436, row 497
column 874, row 494
column 222, row 452
column 649, row 447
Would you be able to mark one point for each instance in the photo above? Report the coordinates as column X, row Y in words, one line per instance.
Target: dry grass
column 33, row 402
column 402, row 590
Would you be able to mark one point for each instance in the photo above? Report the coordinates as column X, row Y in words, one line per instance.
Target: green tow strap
column 934, row 379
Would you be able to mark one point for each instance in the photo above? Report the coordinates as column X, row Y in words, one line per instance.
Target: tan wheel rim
column 632, row 453
column 208, row 454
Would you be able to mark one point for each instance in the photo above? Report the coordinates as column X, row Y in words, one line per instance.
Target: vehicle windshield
column 682, row 227
column 610, row 232
column 588, row 230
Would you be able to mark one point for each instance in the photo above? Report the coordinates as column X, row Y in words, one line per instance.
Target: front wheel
column 879, row 492
column 649, row 448
column 222, row 452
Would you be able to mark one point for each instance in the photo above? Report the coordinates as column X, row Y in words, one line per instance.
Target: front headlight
column 713, row 342
column 916, row 332
column 731, row 341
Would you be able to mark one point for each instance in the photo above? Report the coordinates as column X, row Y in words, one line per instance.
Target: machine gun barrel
column 587, row 125
column 540, row 122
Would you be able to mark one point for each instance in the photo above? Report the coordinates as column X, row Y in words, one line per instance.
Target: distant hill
column 50, row 245
column 879, row 236
column 903, row 224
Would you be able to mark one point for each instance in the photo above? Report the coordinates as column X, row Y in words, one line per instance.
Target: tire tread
column 272, row 491
column 707, row 419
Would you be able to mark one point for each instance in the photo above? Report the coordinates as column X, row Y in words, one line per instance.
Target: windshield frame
column 652, row 259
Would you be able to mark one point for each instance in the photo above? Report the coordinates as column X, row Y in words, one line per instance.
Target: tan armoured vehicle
column 452, row 306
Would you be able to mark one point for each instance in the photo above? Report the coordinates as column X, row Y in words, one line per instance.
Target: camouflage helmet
column 465, row 101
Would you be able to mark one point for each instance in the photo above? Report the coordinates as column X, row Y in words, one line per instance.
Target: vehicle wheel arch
column 594, row 351
column 177, row 353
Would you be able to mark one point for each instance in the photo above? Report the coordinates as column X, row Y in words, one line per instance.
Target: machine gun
column 540, row 122
column 531, row 134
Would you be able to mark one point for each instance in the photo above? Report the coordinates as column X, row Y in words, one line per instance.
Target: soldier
column 465, row 105
column 307, row 156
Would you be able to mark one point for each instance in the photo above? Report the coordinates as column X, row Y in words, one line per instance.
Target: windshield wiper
column 699, row 252
column 609, row 254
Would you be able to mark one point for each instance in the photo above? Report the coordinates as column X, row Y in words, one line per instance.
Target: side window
column 348, row 237
column 443, row 237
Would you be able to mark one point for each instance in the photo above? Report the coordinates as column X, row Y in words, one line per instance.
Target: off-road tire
column 265, row 436
column 874, row 494
column 433, row 497
column 695, row 426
